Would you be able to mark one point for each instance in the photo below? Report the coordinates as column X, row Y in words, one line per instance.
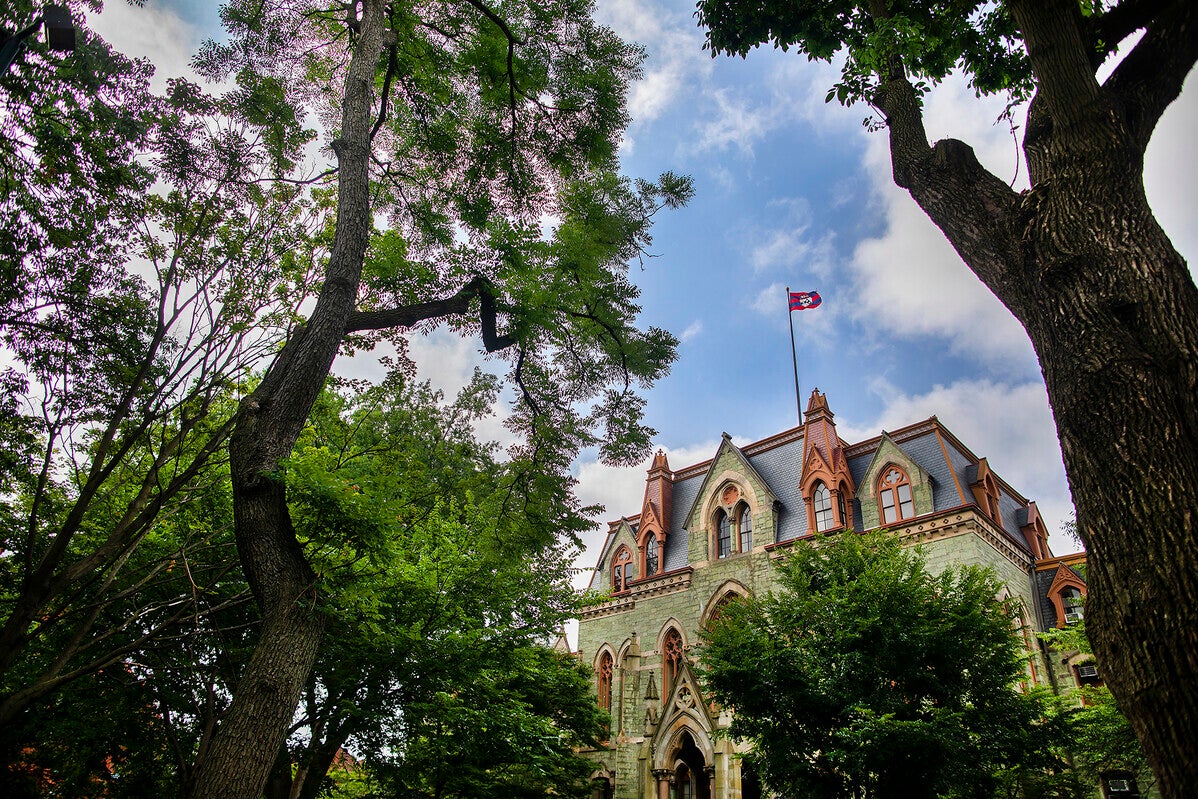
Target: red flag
column 804, row 300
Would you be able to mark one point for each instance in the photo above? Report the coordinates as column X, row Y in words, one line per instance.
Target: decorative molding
column 668, row 583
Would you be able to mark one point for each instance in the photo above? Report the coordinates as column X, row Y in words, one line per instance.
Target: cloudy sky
column 793, row 192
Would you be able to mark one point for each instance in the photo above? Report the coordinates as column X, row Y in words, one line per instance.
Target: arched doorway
column 691, row 779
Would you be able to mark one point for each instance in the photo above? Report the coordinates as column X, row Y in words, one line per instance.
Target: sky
column 790, row 192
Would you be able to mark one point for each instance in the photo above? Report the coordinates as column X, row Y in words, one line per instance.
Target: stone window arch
column 671, row 661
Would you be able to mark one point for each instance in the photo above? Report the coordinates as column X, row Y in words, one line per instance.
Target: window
column 621, row 571
column 894, row 496
column 723, row 534
column 606, row 667
column 746, row 528
column 672, row 662
column 1071, row 601
column 822, row 500
column 651, row 556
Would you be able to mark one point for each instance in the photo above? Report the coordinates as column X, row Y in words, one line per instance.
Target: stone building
column 712, row 531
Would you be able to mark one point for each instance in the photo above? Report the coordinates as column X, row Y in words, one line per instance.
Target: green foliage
column 866, row 676
column 1100, row 739
column 445, row 581
column 933, row 39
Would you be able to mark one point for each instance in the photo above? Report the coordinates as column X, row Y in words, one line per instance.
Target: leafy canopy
column 867, row 676
column 979, row 38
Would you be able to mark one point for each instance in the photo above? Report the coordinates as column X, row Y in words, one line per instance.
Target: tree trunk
column 1112, row 312
column 1115, row 326
column 251, row 733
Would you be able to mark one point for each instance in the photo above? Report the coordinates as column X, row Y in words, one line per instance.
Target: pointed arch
column 672, row 647
column 622, row 570
column 744, row 526
column 729, row 591
column 896, row 502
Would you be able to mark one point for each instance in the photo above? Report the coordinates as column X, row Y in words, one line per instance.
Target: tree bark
column 1112, row 313
column 250, row 735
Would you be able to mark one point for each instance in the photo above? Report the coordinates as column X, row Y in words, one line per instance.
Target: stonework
column 664, row 740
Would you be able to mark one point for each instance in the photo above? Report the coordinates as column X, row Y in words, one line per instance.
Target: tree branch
column 1122, row 21
column 459, row 303
column 1150, row 78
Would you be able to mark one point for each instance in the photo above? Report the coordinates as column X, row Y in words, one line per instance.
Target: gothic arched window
column 606, row 668
column 746, row 527
column 723, row 534
column 894, row 495
column 652, row 561
column 822, row 503
column 621, row 570
column 671, row 650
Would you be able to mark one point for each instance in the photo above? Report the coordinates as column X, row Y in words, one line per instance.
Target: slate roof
column 778, row 459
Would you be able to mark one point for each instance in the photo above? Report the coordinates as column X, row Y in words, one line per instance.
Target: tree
column 464, row 125
column 867, row 677
column 1101, row 740
column 445, row 582
column 1080, row 260
column 147, row 269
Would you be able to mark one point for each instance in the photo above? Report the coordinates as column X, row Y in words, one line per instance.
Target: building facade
column 714, row 531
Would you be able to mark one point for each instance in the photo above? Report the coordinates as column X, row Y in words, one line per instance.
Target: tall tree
column 866, row 677
column 465, row 125
column 145, row 271
column 1080, row 260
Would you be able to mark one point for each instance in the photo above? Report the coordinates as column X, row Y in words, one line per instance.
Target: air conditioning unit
column 1073, row 617
column 1087, row 671
column 1119, row 786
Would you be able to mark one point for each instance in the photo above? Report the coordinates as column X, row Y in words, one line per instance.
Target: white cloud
column 692, row 330
column 621, row 489
column 735, row 125
column 153, row 32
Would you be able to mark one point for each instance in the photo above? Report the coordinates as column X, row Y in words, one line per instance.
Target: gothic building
column 712, row 531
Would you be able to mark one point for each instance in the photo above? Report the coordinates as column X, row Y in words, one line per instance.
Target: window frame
column 723, row 534
column 821, row 505
column 744, row 527
column 652, row 559
column 622, row 573
column 903, row 508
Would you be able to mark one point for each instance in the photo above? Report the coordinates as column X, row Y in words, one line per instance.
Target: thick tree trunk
column 251, row 733
column 1112, row 312
column 1114, row 321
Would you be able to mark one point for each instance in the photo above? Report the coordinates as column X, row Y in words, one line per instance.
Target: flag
column 803, row 300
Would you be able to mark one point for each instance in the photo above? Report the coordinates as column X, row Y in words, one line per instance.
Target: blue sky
column 791, row 191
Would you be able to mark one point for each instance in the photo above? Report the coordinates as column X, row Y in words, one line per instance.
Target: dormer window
column 621, row 571
column 651, row 556
column 1071, row 601
column 894, row 496
column 822, row 503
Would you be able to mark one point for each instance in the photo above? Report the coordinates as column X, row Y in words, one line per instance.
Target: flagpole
column 790, row 318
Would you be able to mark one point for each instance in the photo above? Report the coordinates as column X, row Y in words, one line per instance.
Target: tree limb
column 459, row 303
column 1150, row 78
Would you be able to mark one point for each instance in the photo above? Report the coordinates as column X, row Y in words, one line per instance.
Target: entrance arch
column 691, row 772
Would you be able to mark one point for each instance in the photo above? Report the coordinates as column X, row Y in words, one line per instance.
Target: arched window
column 1071, row 601
column 746, row 527
column 671, row 662
column 606, row 668
column 723, row 539
column 651, row 559
column 822, row 502
column 894, row 495
column 621, row 571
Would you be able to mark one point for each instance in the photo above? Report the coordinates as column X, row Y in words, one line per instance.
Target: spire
column 819, row 432
column 659, row 493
